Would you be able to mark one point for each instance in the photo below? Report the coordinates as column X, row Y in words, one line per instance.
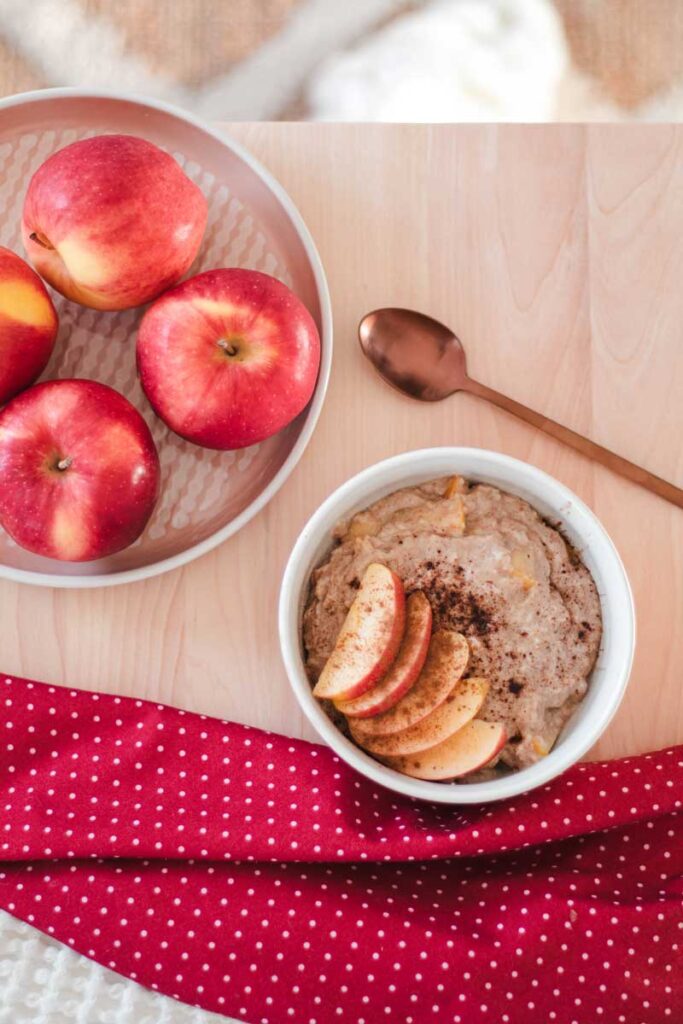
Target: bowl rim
column 567, row 752
column 314, row 408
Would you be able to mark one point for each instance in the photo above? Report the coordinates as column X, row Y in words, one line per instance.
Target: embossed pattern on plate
column 203, row 493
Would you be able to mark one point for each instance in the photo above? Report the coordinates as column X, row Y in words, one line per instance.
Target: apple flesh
column 28, row 325
column 79, row 471
column 369, row 638
column 112, row 221
column 228, row 358
column 460, row 707
column 446, row 662
column 467, row 750
column 405, row 669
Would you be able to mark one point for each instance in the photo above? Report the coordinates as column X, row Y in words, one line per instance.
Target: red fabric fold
column 256, row 875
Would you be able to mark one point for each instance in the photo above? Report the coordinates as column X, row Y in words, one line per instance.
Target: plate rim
column 164, row 565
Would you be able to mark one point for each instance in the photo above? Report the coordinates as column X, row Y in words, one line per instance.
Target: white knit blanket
column 451, row 60
column 44, row 982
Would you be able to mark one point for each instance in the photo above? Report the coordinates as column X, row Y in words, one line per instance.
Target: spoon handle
column 611, row 460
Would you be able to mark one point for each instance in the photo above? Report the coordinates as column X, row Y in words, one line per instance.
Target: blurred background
column 383, row 60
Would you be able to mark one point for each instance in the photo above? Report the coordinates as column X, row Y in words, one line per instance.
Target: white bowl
column 554, row 501
column 206, row 496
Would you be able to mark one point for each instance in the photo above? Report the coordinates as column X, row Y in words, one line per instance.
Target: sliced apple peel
column 404, row 670
column 446, row 662
column 369, row 638
column 459, row 708
column 469, row 749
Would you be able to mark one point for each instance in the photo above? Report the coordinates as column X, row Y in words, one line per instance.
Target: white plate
column 206, row 495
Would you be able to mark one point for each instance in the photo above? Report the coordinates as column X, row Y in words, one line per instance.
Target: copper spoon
column 425, row 360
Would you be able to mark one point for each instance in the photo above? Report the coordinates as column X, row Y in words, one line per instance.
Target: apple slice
column 456, row 485
column 459, row 708
column 369, row 639
column 446, row 661
column 405, row 669
column 468, row 749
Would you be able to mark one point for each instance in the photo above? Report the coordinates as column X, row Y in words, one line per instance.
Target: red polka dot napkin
column 256, row 875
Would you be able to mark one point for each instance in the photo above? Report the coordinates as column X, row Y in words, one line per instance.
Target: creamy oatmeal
column 492, row 570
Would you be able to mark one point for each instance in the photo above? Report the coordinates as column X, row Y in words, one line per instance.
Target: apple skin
column 112, row 221
column 28, row 325
column 467, row 750
column 101, row 498
column 228, row 358
column 462, row 704
column 446, row 662
column 369, row 639
column 405, row 669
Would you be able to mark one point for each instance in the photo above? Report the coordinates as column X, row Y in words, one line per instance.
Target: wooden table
column 557, row 254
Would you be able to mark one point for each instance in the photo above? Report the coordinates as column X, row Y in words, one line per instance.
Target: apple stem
column 35, row 236
column 64, row 464
column 228, row 347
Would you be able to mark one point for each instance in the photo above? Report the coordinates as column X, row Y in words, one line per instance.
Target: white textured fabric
column 69, row 45
column 445, row 60
column 44, row 982
column 453, row 60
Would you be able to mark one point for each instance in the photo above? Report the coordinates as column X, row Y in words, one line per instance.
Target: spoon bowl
column 414, row 353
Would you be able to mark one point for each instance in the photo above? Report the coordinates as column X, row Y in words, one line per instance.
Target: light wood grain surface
column 557, row 254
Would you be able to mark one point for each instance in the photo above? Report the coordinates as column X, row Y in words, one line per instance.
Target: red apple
column 79, row 471
column 369, row 638
column 405, row 669
column 28, row 325
column 467, row 750
column 112, row 221
column 228, row 357
column 459, row 707
column 447, row 659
